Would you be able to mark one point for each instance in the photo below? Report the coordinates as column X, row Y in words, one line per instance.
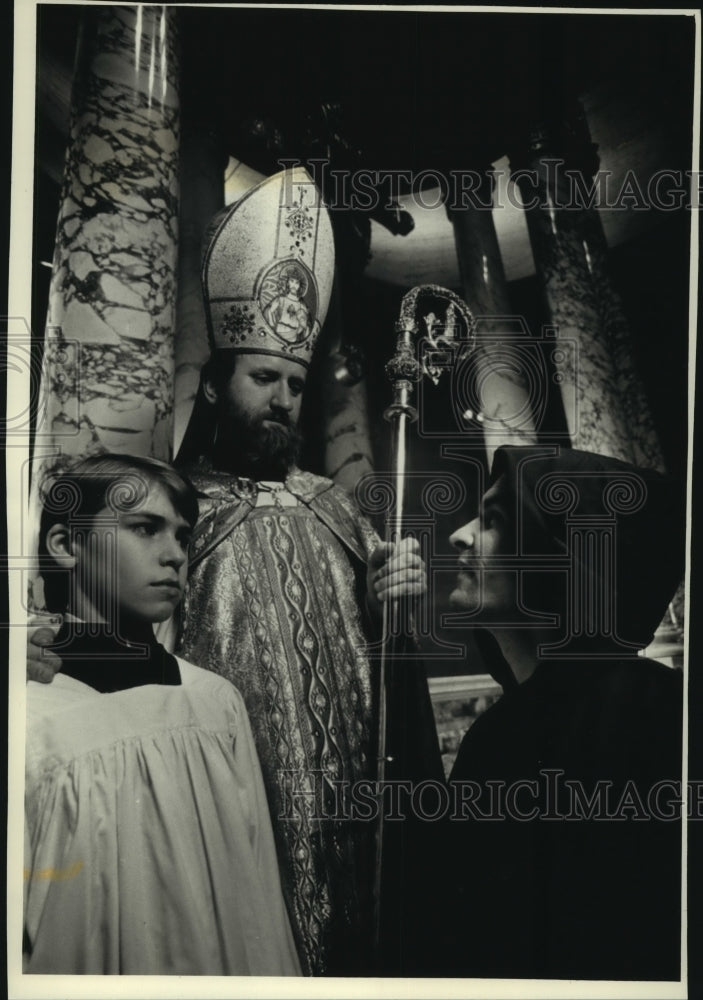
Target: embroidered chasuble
column 275, row 603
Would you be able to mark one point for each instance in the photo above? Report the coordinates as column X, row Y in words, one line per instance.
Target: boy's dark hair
column 117, row 482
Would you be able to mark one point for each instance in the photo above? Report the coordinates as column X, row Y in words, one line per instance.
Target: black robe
column 566, row 894
column 552, row 886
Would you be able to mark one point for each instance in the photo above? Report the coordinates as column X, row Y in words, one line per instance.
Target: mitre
column 268, row 269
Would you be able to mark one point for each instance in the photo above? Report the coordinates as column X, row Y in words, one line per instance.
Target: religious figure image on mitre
column 288, row 301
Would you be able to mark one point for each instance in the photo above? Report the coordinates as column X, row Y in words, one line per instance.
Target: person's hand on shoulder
column 42, row 663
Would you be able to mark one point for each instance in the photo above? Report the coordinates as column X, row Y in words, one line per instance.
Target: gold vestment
column 275, row 603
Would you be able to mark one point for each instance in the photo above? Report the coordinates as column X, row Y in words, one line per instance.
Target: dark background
column 439, row 91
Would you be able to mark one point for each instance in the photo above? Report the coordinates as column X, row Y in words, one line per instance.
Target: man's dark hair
column 116, row 482
column 200, row 432
column 219, row 368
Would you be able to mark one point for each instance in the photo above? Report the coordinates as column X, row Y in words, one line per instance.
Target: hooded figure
column 565, row 857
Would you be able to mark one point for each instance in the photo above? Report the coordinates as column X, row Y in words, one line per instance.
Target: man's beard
column 255, row 449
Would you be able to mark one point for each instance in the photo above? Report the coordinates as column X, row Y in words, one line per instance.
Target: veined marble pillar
column 202, row 195
column 604, row 400
column 113, row 291
column 504, row 373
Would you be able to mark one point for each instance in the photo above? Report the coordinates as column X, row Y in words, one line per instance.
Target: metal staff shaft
column 403, row 369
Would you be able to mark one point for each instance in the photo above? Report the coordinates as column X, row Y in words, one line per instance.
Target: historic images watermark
column 552, row 797
column 554, row 185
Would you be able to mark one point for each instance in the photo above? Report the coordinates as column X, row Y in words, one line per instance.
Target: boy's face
column 136, row 561
column 481, row 585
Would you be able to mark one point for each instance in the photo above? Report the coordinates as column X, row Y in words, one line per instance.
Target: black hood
column 635, row 522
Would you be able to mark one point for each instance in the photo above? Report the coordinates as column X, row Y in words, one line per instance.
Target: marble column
column 202, row 196
column 604, row 399
column 112, row 298
column 505, row 371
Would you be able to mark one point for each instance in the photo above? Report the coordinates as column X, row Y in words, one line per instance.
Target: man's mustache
column 278, row 418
